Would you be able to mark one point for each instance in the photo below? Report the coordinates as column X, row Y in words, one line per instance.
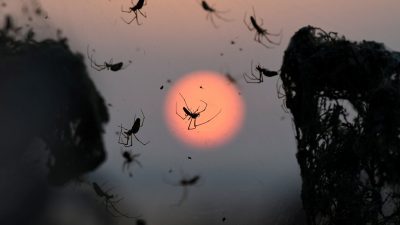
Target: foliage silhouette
column 46, row 94
column 345, row 100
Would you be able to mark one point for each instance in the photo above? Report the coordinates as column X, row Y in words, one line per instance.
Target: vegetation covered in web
column 345, row 100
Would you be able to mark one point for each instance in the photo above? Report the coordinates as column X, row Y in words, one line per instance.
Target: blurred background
column 253, row 179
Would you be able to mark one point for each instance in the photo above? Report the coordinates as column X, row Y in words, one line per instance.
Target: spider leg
column 184, row 101
column 124, row 165
column 254, row 12
column 127, row 140
column 279, row 88
column 195, row 124
column 108, row 209
column 140, row 140
column 121, row 132
column 126, row 144
column 217, row 14
column 210, row 16
column 144, row 15
column 250, row 79
column 183, row 197
column 176, row 111
column 119, row 212
column 192, row 125
column 125, row 11
column 275, row 34
column 261, row 77
column 137, row 18
column 93, row 64
column 139, row 163
column 143, row 118
column 270, row 41
column 257, row 38
column 205, row 107
column 247, row 25
column 101, row 67
column 129, row 22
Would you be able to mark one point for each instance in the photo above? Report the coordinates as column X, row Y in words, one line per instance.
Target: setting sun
column 216, row 103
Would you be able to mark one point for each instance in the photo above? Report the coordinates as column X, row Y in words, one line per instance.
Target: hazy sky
column 246, row 178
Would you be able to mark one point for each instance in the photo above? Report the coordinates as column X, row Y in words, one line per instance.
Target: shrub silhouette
column 345, row 100
column 46, row 94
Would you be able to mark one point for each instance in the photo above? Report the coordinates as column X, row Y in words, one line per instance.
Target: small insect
column 189, row 157
column 162, row 87
column 109, row 201
column 193, row 115
column 107, row 65
column 130, row 158
column 223, row 219
column 185, row 183
column 135, row 8
column 128, row 133
column 211, row 11
column 261, row 34
column 253, row 78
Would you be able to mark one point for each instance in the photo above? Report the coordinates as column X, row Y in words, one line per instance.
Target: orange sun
column 218, row 103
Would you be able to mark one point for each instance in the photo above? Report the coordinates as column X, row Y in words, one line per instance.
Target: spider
column 193, row 115
column 109, row 201
column 261, row 33
column 127, row 133
column 185, row 183
column 107, row 65
column 135, row 8
column 212, row 11
column 252, row 78
column 129, row 158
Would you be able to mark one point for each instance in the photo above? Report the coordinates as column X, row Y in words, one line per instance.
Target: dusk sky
column 254, row 177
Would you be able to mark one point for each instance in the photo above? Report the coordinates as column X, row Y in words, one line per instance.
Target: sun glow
column 218, row 103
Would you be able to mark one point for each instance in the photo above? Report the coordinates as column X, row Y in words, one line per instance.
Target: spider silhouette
column 106, row 65
column 129, row 159
column 135, row 8
column 253, row 78
column 185, row 183
column 110, row 201
column 193, row 115
column 262, row 35
column 128, row 133
column 211, row 11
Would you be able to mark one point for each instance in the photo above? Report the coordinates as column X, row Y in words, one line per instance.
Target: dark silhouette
column 51, row 117
column 211, row 11
column 193, row 115
column 230, row 78
column 345, row 100
column 185, row 183
column 261, row 34
column 253, row 78
column 127, row 133
column 110, row 201
column 128, row 159
column 106, row 65
column 135, row 8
